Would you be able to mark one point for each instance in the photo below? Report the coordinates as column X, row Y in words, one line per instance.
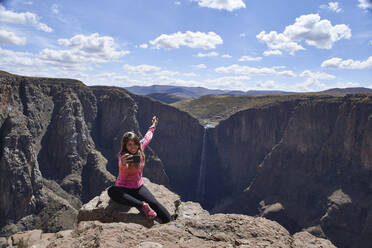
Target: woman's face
column 132, row 147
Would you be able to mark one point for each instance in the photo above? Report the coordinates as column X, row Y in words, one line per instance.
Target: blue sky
column 219, row 44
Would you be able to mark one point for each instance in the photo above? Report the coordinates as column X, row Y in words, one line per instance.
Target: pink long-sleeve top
column 131, row 177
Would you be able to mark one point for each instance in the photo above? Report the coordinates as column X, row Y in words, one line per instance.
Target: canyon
column 304, row 161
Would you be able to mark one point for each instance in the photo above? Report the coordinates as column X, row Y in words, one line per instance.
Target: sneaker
column 150, row 214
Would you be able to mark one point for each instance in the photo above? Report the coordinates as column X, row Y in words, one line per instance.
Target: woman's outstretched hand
column 155, row 121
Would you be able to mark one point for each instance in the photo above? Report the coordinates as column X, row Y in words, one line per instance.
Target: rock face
column 239, row 144
column 103, row 223
column 59, row 145
column 309, row 166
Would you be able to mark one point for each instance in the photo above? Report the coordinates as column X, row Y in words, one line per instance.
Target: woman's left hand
column 155, row 121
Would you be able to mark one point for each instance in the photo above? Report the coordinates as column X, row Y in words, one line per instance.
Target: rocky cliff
column 59, row 145
column 305, row 163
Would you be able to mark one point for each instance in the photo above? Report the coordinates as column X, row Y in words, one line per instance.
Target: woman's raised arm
column 150, row 132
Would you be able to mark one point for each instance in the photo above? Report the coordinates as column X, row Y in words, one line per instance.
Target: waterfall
column 200, row 190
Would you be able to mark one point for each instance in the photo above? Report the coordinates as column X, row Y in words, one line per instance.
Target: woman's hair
column 126, row 138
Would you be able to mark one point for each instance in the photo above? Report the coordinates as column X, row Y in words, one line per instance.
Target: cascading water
column 200, row 190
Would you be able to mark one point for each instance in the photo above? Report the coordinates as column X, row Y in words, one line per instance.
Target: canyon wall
column 59, row 146
column 306, row 164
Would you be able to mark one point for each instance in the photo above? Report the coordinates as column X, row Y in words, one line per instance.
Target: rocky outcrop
column 103, row 223
column 217, row 230
column 102, row 209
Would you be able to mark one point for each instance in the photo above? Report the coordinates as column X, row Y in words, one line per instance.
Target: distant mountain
column 181, row 91
column 196, row 92
column 353, row 90
column 167, row 98
column 260, row 92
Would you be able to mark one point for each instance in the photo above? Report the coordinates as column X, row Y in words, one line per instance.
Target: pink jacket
column 132, row 177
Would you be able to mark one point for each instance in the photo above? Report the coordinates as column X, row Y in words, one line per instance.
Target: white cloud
column 249, row 58
column 166, row 73
column 242, row 35
column 111, row 79
column 7, row 37
column 231, row 83
column 144, row 46
column 228, row 5
column 85, row 49
column 370, row 42
column 288, row 73
column 148, row 70
column 317, row 75
column 226, row 56
column 177, row 3
column 55, row 9
column 141, row 69
column 332, row 6
column 83, row 52
column 313, row 82
column 365, row 4
column 277, row 41
column 238, row 69
column 348, row 64
column 346, row 84
column 269, row 84
column 272, row 52
column 17, row 59
column 189, row 39
column 311, row 29
column 211, row 54
column 310, row 84
column 190, row 74
column 199, row 66
column 23, row 18
column 279, row 67
column 31, row 64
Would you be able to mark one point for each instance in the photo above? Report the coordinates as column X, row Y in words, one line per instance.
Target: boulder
column 103, row 209
column 306, row 240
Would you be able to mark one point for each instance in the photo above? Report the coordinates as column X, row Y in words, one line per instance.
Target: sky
column 244, row 45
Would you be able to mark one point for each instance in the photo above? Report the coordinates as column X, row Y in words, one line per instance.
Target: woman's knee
column 112, row 192
column 167, row 218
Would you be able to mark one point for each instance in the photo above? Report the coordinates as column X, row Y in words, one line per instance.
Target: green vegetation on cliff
column 212, row 109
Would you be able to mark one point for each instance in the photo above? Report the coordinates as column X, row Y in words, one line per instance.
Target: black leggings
column 136, row 197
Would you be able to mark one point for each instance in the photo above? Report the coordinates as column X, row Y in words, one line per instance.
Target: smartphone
column 135, row 159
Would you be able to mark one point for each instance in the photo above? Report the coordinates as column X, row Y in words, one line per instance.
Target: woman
column 129, row 188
